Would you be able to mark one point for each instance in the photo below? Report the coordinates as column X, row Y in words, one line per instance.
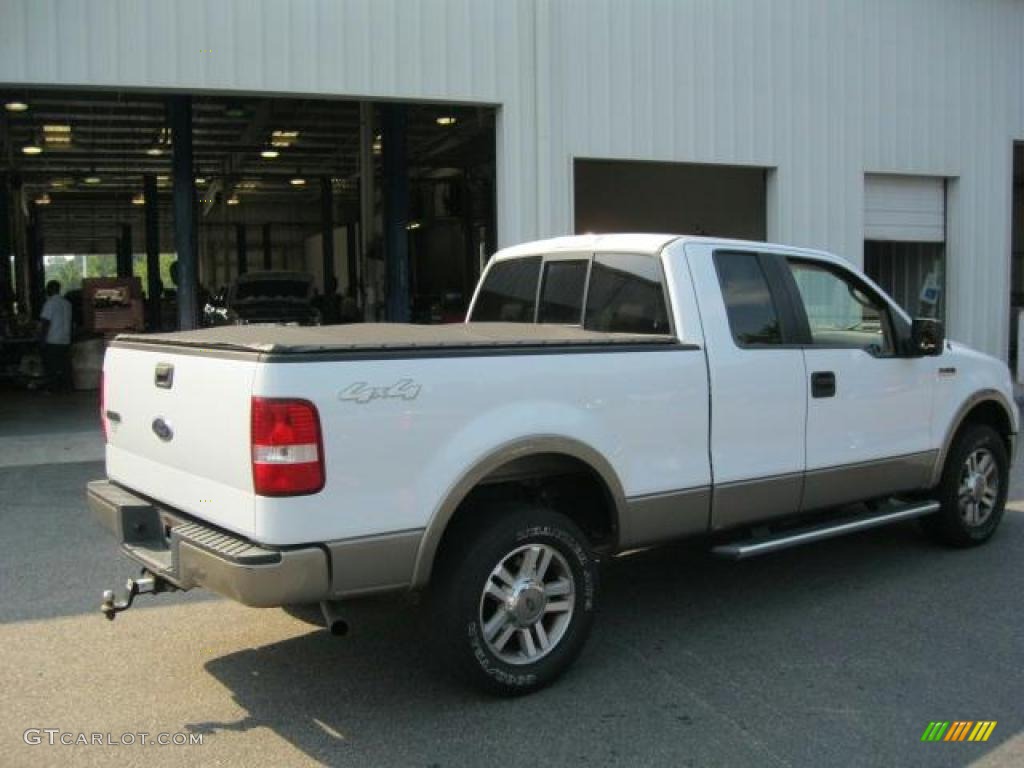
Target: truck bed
column 276, row 340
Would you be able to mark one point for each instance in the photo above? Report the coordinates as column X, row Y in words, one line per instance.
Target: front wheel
column 973, row 489
column 516, row 598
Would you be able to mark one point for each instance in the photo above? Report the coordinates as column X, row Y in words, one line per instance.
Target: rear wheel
column 516, row 598
column 973, row 489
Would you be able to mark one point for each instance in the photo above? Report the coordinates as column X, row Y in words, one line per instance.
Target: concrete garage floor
column 836, row 654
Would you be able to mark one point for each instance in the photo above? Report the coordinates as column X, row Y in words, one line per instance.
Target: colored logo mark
column 958, row 730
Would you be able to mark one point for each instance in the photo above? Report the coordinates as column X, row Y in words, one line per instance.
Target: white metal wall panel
column 904, row 208
column 822, row 91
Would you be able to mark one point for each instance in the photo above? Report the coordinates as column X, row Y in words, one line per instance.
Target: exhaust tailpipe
column 335, row 622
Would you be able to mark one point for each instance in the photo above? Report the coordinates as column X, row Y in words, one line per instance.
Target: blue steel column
column 36, row 266
column 180, row 112
column 268, row 253
column 327, row 230
column 242, row 248
column 153, row 288
column 394, row 120
column 124, row 252
column 6, row 249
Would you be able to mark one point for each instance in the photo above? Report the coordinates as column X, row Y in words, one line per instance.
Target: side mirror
column 927, row 337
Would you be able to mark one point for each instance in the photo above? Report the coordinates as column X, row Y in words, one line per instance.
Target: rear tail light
column 287, row 447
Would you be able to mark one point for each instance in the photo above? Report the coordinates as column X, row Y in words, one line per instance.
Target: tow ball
column 147, row 583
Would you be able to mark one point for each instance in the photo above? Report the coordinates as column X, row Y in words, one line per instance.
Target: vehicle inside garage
column 159, row 203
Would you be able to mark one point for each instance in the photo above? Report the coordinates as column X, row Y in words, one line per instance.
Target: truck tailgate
column 184, row 440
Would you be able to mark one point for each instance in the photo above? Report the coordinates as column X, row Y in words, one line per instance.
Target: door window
column 753, row 315
column 841, row 312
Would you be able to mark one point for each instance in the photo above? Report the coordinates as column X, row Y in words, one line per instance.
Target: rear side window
column 561, row 294
column 753, row 316
column 509, row 294
column 626, row 295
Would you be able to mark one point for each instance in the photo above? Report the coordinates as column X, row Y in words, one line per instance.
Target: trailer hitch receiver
column 147, row 583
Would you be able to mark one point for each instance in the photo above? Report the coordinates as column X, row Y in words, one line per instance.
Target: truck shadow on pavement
column 693, row 660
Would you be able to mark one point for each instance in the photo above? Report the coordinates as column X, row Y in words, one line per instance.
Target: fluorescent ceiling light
column 298, row 181
column 446, row 120
column 32, row 149
column 200, row 180
column 154, row 151
column 283, row 138
column 139, row 199
column 233, row 200
column 57, row 133
column 413, row 225
column 16, row 106
column 43, row 199
column 269, row 154
column 92, row 180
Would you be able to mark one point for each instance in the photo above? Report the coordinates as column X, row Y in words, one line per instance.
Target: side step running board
column 738, row 550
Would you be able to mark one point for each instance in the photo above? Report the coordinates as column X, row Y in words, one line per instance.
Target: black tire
column 952, row 525
column 507, row 534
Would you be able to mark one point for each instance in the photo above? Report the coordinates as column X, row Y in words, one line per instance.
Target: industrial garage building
column 430, row 132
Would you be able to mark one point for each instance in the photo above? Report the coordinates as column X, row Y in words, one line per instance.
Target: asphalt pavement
column 839, row 653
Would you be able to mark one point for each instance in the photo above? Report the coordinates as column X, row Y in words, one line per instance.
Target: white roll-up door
column 904, row 208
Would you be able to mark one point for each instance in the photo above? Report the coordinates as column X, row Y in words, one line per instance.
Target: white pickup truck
column 608, row 393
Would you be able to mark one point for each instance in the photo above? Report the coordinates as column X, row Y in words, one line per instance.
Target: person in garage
column 55, row 337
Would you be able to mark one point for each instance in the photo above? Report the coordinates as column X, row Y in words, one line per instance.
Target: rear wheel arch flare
column 531, row 457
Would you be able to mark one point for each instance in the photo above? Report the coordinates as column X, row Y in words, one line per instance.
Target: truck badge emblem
column 362, row 393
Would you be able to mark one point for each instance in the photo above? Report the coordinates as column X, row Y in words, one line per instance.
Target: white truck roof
column 638, row 242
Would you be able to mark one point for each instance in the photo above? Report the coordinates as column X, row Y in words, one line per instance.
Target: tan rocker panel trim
column 658, row 518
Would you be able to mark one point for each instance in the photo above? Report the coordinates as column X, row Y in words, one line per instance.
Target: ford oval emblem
column 162, row 429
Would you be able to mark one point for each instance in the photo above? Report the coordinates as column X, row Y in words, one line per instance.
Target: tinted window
column 753, row 317
column 626, row 295
column 509, row 293
column 561, row 294
column 839, row 311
